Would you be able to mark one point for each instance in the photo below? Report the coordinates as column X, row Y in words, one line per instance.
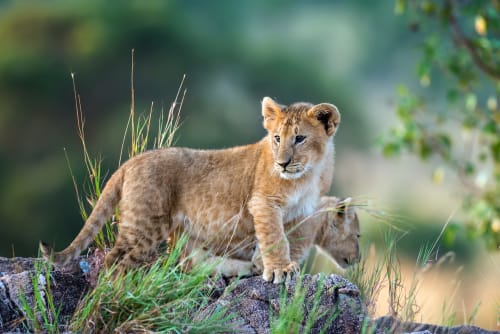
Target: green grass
column 386, row 272
column 160, row 298
column 41, row 315
column 402, row 299
column 287, row 318
column 291, row 316
column 139, row 131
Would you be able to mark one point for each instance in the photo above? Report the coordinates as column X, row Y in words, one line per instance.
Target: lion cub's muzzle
column 289, row 169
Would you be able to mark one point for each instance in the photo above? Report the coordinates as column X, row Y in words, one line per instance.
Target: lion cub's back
column 179, row 179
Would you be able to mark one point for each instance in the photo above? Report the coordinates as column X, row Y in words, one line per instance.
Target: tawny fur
column 220, row 194
column 338, row 232
column 334, row 227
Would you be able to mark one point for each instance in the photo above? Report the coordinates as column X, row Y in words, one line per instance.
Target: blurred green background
column 233, row 53
column 353, row 54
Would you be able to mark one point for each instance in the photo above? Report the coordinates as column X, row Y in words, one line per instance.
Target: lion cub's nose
column 284, row 164
column 352, row 259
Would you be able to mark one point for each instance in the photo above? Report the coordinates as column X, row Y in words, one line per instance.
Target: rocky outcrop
column 392, row 325
column 328, row 304
column 20, row 281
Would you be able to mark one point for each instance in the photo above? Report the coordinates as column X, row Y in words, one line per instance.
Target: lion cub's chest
column 301, row 203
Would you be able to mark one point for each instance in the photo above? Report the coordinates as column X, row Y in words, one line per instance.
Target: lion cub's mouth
column 290, row 176
column 289, row 172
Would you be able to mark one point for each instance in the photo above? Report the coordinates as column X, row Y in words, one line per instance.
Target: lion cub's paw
column 280, row 273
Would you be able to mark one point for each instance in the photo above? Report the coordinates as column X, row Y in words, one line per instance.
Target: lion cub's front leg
column 272, row 241
column 300, row 234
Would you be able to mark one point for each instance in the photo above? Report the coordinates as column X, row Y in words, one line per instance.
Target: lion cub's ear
column 270, row 111
column 328, row 115
column 345, row 209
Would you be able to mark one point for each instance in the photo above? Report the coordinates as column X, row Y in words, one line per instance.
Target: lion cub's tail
column 103, row 209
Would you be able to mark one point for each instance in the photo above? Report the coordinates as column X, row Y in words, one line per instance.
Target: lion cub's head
column 299, row 134
column 339, row 231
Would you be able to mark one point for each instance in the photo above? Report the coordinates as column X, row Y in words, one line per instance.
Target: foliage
column 461, row 40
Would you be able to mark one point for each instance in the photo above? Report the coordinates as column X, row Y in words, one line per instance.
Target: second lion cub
column 239, row 191
column 334, row 227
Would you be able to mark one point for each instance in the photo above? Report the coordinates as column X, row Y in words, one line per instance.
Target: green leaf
column 424, row 68
column 452, row 95
column 399, row 7
column 484, row 44
column 425, row 150
column 469, row 168
column 490, row 128
column 450, row 234
column 470, row 101
column 438, row 175
column 403, row 111
column 483, row 156
column 492, row 13
column 469, row 122
column 445, row 142
column 428, row 7
column 402, row 90
column 391, row 149
column 495, row 151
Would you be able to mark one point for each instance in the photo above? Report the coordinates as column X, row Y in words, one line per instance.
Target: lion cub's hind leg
column 232, row 267
column 138, row 240
column 223, row 265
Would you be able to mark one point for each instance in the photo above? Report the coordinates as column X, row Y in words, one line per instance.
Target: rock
column 8, row 311
column 20, row 280
column 392, row 325
column 330, row 304
column 16, row 265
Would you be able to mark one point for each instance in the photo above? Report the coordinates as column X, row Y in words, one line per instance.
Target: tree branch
column 467, row 44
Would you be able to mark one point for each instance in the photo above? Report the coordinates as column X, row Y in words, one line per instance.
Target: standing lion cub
column 240, row 191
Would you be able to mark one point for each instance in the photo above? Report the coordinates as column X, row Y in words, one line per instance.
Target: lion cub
column 240, row 191
column 334, row 227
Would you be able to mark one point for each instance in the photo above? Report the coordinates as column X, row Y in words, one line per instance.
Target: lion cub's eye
column 299, row 139
column 277, row 138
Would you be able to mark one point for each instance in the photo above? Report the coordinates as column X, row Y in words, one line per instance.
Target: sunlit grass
column 382, row 270
column 159, row 298
column 139, row 130
column 386, row 272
